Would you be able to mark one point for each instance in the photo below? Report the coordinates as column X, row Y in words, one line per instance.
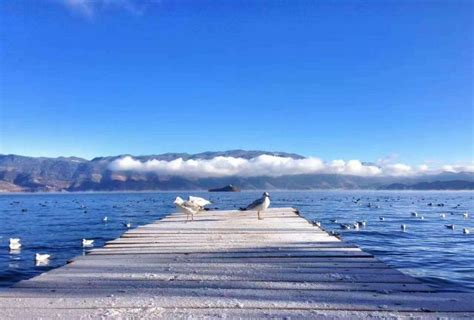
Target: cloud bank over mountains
column 248, row 169
column 275, row 166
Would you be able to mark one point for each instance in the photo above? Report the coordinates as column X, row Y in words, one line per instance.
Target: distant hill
column 436, row 185
column 30, row 174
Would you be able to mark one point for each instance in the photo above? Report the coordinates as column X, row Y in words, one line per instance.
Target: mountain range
column 33, row 174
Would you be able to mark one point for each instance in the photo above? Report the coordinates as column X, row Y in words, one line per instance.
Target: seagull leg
column 258, row 215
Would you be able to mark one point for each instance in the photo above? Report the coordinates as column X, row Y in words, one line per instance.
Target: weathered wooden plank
column 226, row 250
column 35, row 288
column 167, row 244
column 235, row 255
column 136, row 258
column 221, row 270
column 252, row 275
column 152, row 312
column 254, row 298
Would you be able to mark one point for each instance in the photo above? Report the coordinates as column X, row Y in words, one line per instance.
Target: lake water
column 444, row 258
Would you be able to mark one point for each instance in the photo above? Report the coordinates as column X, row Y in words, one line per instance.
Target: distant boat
column 227, row 188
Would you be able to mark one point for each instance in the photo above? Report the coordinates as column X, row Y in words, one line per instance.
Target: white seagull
column 201, row 202
column 466, row 231
column 42, row 257
column 187, row 207
column 259, row 205
column 87, row 243
column 15, row 243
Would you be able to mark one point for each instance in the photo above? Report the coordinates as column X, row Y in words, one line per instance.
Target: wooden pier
column 229, row 264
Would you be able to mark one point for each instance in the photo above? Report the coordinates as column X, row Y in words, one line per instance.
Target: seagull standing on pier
column 201, row 202
column 187, row 207
column 259, row 205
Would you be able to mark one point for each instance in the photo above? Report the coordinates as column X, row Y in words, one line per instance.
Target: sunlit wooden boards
column 229, row 264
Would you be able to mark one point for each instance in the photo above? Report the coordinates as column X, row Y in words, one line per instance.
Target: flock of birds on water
column 194, row 205
column 189, row 207
column 403, row 227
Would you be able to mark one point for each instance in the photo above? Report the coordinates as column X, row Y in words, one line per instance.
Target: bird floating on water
column 466, row 231
column 258, row 205
column 333, row 220
column 403, row 227
column 42, row 257
column 465, row 215
column 345, row 226
column 381, row 218
column 87, row 243
column 450, row 226
column 442, row 215
column 127, row 225
column 414, row 214
column 15, row 243
column 105, row 219
column 362, row 223
column 422, row 218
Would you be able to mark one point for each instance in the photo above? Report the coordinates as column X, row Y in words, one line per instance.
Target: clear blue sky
column 333, row 79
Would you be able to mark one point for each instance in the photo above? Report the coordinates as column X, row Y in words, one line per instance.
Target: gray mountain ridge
column 32, row 174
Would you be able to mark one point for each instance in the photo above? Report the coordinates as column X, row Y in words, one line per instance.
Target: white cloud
column 273, row 166
column 89, row 8
column 82, row 7
column 423, row 168
column 458, row 168
column 221, row 166
column 398, row 169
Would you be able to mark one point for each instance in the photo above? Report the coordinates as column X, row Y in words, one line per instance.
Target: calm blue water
column 56, row 223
